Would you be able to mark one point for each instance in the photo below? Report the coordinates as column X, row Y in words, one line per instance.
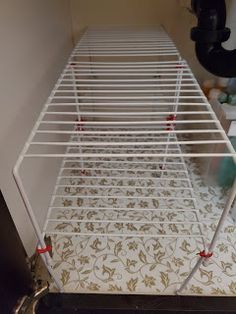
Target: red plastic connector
column 79, row 126
column 170, row 126
column 171, row 117
column 48, row 248
column 204, row 254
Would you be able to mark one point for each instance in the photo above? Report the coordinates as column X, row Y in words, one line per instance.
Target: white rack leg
column 220, row 225
column 190, row 276
column 223, row 217
column 46, row 257
column 175, row 110
column 78, row 113
column 194, row 199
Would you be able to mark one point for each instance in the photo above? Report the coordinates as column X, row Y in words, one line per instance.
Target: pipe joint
column 209, row 36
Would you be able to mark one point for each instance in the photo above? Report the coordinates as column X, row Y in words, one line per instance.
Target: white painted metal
column 123, row 103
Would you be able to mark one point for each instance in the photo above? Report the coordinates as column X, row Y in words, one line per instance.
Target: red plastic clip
column 204, row 254
column 171, row 117
column 170, row 126
column 48, row 248
column 79, row 125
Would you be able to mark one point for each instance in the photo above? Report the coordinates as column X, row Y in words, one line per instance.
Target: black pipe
column 209, row 35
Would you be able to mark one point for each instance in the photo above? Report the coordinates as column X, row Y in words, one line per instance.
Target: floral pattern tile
column 145, row 264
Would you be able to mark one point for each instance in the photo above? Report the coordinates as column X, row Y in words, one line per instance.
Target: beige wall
column 134, row 12
column 172, row 14
column 35, row 41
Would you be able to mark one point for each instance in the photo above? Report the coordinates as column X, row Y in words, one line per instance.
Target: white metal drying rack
column 124, row 98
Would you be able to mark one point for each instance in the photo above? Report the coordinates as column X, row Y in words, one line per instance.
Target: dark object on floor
column 129, row 304
column 15, row 277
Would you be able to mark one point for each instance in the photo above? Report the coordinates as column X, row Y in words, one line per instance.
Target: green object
column 232, row 100
column 223, row 97
column 227, row 171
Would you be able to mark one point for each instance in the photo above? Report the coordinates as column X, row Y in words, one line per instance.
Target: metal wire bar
column 113, row 122
column 126, row 209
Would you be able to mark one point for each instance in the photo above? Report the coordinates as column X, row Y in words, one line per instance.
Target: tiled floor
column 131, row 265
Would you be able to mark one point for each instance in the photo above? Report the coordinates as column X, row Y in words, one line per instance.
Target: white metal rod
column 195, row 202
column 190, row 276
column 93, row 51
column 175, row 108
column 127, row 54
column 122, row 74
column 122, row 149
column 111, row 80
column 136, row 65
column 124, row 177
column 86, row 46
column 128, row 209
column 46, row 257
column 121, row 46
column 129, row 40
column 127, row 123
column 122, row 187
column 121, row 37
column 120, row 113
column 108, row 104
column 120, row 137
column 29, row 208
column 93, row 143
column 130, row 91
column 116, row 71
column 131, row 163
column 125, row 169
column 223, row 217
column 127, row 85
column 125, row 221
column 124, row 137
column 92, row 36
column 78, row 114
column 133, row 235
column 128, row 97
column 121, row 197
column 40, row 155
column 121, row 63
column 122, row 133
